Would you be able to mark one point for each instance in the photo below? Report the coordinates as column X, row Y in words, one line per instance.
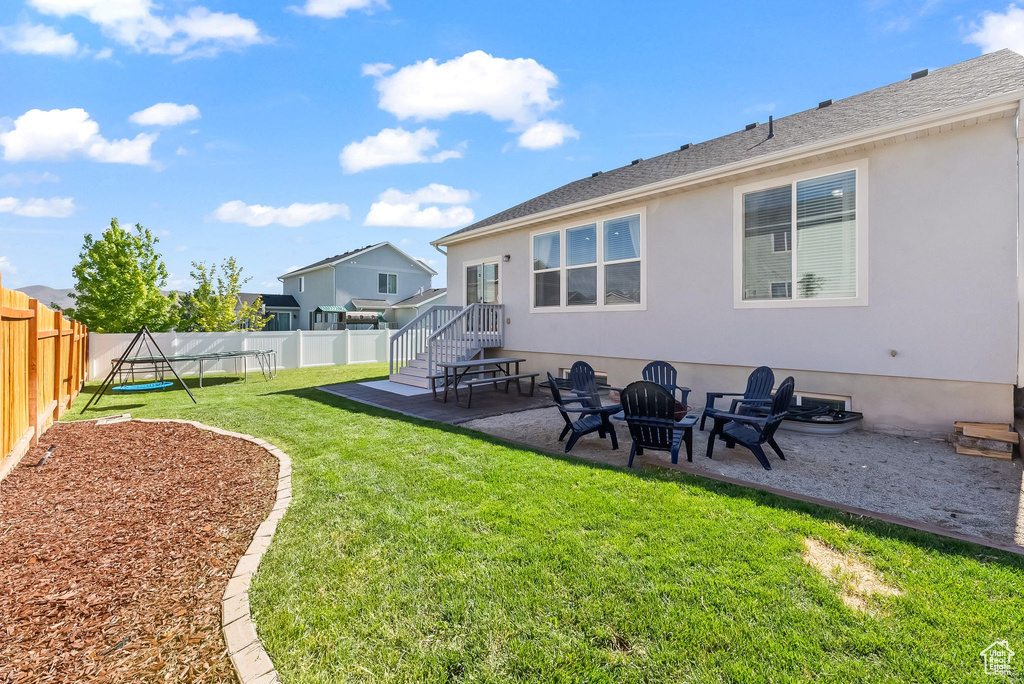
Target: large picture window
column 596, row 265
column 802, row 241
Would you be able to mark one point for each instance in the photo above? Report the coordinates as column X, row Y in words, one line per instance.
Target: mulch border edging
column 250, row 659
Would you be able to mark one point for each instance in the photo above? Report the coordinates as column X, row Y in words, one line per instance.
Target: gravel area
column 115, row 554
column 922, row 480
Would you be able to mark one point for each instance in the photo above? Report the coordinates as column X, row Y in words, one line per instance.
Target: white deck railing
column 475, row 328
column 412, row 338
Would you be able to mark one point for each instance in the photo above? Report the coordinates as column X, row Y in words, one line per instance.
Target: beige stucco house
column 868, row 246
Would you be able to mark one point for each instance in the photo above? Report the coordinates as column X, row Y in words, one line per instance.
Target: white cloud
column 37, row 39
column 517, row 90
column 55, row 207
column 547, row 133
column 998, row 31
column 6, row 266
column 60, row 134
column 377, row 69
column 405, row 210
column 165, row 114
column 332, row 9
column 181, row 151
column 105, row 53
column 197, row 32
column 293, row 215
column 17, row 179
column 394, row 146
column 435, row 193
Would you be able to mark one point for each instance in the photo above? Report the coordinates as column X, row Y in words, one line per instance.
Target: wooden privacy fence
column 42, row 368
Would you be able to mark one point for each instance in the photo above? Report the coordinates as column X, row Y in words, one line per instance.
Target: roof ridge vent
column 636, row 161
column 684, row 147
column 918, row 74
column 596, row 174
column 751, row 127
column 825, row 103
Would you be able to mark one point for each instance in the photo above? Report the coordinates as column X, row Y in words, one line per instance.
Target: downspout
column 1020, row 250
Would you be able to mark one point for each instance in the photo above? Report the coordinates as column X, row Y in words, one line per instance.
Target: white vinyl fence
column 295, row 348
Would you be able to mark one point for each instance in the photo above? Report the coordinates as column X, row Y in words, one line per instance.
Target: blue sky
column 445, row 111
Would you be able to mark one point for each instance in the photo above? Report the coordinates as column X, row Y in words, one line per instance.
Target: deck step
column 411, row 380
column 413, row 371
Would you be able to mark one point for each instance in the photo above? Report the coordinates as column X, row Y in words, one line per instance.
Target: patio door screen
column 482, row 283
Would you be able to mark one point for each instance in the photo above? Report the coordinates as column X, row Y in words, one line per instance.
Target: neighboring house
column 868, row 246
column 282, row 310
column 406, row 310
column 367, row 280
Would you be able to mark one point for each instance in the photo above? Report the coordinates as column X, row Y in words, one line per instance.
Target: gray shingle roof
column 334, row 258
column 361, row 303
column 952, row 86
column 417, row 299
column 278, row 301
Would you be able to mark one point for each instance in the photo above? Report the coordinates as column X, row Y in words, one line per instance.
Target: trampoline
column 153, row 366
column 266, row 358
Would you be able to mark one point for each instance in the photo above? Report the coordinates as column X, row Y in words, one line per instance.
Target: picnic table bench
column 482, row 372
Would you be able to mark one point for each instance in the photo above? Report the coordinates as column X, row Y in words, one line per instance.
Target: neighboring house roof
column 997, row 73
column 273, row 301
column 279, row 301
column 421, row 298
column 369, row 303
column 352, row 254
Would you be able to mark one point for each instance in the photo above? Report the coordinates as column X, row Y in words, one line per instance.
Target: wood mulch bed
column 114, row 555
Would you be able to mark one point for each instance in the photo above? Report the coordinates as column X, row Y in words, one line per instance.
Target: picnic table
column 499, row 369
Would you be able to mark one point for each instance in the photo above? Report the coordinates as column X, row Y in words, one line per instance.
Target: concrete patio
column 918, row 480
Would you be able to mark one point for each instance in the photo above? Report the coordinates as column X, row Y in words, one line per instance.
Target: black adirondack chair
column 753, row 431
column 758, row 393
column 649, row 409
column 665, row 374
column 584, row 383
column 589, row 418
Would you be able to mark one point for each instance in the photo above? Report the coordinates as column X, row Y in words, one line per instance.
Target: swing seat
column 145, row 387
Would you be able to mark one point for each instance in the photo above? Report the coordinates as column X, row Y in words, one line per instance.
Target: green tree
column 213, row 305
column 118, row 280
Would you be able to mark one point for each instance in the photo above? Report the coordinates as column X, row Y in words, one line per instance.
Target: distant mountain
column 50, row 295
column 61, row 297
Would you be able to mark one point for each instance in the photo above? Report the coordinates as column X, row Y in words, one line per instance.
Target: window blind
column 767, row 215
column 826, row 239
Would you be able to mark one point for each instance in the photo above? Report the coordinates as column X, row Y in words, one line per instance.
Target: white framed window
column 834, row 401
column 483, row 281
column 593, row 265
column 600, row 377
column 302, row 283
column 387, row 283
column 801, row 240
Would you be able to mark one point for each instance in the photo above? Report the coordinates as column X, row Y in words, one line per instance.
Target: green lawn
column 419, row 552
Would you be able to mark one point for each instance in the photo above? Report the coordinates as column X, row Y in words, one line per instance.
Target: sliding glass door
column 482, row 283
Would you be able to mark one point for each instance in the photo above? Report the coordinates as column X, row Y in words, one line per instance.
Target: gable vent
column 636, row 161
column 751, row 127
column 685, row 147
column 918, row 74
column 825, row 103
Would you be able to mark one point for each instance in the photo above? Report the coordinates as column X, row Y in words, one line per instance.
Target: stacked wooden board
column 991, row 440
